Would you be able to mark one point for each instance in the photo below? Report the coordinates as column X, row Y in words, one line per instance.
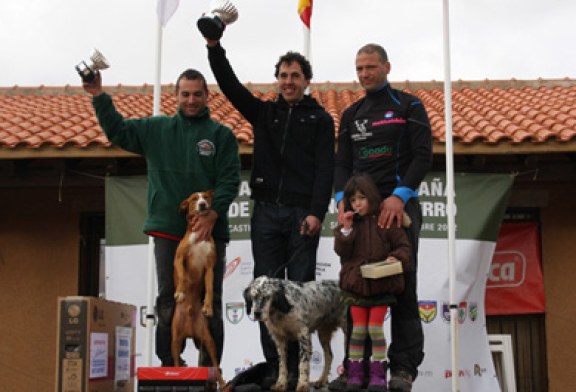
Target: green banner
column 125, row 210
column 481, row 200
column 240, row 210
column 480, row 203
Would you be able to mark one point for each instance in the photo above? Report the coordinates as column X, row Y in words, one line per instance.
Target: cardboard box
column 95, row 345
column 381, row 269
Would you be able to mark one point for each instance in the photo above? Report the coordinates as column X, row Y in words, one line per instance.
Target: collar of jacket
column 202, row 115
column 307, row 101
column 385, row 92
column 379, row 91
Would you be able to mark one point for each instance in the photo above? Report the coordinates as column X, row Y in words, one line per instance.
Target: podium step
column 176, row 379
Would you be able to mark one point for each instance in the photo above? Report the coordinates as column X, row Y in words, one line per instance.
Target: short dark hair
column 291, row 57
column 191, row 74
column 374, row 48
column 364, row 184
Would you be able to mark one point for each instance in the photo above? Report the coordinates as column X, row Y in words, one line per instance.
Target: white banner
column 126, row 282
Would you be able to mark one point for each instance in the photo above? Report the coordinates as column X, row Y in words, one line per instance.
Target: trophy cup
column 88, row 72
column 213, row 23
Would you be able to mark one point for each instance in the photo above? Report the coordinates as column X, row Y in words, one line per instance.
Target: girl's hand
column 341, row 213
column 347, row 218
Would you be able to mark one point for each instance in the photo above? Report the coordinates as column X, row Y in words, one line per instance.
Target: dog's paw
column 179, row 296
column 319, row 384
column 278, row 387
column 302, row 387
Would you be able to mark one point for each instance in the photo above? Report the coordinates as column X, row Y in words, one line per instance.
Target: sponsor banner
column 476, row 370
column 515, row 284
column 126, row 280
column 480, row 199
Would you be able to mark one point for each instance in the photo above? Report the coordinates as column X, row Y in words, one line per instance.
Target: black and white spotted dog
column 291, row 312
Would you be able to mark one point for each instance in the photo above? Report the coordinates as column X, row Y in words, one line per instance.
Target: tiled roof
column 488, row 113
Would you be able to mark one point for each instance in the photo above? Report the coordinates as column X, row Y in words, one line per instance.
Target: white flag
column 166, row 9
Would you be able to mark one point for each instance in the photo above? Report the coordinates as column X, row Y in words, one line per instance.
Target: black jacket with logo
column 293, row 159
column 387, row 135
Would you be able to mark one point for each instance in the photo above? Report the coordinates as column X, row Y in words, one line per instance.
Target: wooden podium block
column 175, row 379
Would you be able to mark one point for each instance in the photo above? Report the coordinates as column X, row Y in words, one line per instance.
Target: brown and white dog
column 194, row 276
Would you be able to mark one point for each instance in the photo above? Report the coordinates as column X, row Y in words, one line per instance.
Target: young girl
column 358, row 241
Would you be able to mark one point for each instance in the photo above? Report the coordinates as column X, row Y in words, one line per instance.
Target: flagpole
column 158, row 68
column 306, row 43
column 450, row 208
column 306, row 48
column 305, row 13
column 150, row 314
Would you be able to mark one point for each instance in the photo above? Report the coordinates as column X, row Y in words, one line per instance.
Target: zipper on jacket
column 282, row 147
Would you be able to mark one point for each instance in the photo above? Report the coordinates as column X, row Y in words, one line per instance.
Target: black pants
column 406, row 350
column 280, row 251
column 164, row 251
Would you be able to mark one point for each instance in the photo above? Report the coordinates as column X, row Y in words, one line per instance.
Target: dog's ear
column 184, row 206
column 247, row 299
column 280, row 302
column 210, row 195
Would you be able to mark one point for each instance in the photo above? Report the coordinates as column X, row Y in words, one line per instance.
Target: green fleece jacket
column 183, row 155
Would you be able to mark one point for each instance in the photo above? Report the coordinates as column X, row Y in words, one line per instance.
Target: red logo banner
column 514, row 284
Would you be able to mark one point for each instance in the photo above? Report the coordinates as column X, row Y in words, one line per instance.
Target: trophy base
column 211, row 28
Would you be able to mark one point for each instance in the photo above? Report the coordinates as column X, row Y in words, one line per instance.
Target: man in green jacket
column 185, row 153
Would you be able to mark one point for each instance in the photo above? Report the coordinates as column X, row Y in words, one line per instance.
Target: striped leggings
column 368, row 320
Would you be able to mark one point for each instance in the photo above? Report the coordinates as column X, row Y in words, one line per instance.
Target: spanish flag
column 305, row 11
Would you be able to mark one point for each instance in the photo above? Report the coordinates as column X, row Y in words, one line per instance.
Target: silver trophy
column 213, row 23
column 88, row 72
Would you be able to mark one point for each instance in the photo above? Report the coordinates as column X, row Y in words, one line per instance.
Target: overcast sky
column 42, row 40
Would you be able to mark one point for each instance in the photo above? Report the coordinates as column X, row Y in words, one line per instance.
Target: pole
column 306, row 48
column 150, row 315
column 450, row 198
column 158, row 68
column 306, row 44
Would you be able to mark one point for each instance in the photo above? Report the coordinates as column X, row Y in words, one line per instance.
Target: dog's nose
column 202, row 206
column 257, row 315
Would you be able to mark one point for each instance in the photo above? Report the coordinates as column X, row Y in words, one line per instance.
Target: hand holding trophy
column 88, row 72
column 213, row 23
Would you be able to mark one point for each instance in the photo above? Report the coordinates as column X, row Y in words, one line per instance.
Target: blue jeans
column 280, row 251
column 164, row 252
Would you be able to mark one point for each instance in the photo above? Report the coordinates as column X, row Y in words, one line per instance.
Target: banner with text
column 481, row 200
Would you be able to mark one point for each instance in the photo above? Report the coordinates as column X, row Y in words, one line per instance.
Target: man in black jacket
column 387, row 135
column 292, row 172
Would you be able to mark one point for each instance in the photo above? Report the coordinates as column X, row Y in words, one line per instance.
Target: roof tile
column 488, row 112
